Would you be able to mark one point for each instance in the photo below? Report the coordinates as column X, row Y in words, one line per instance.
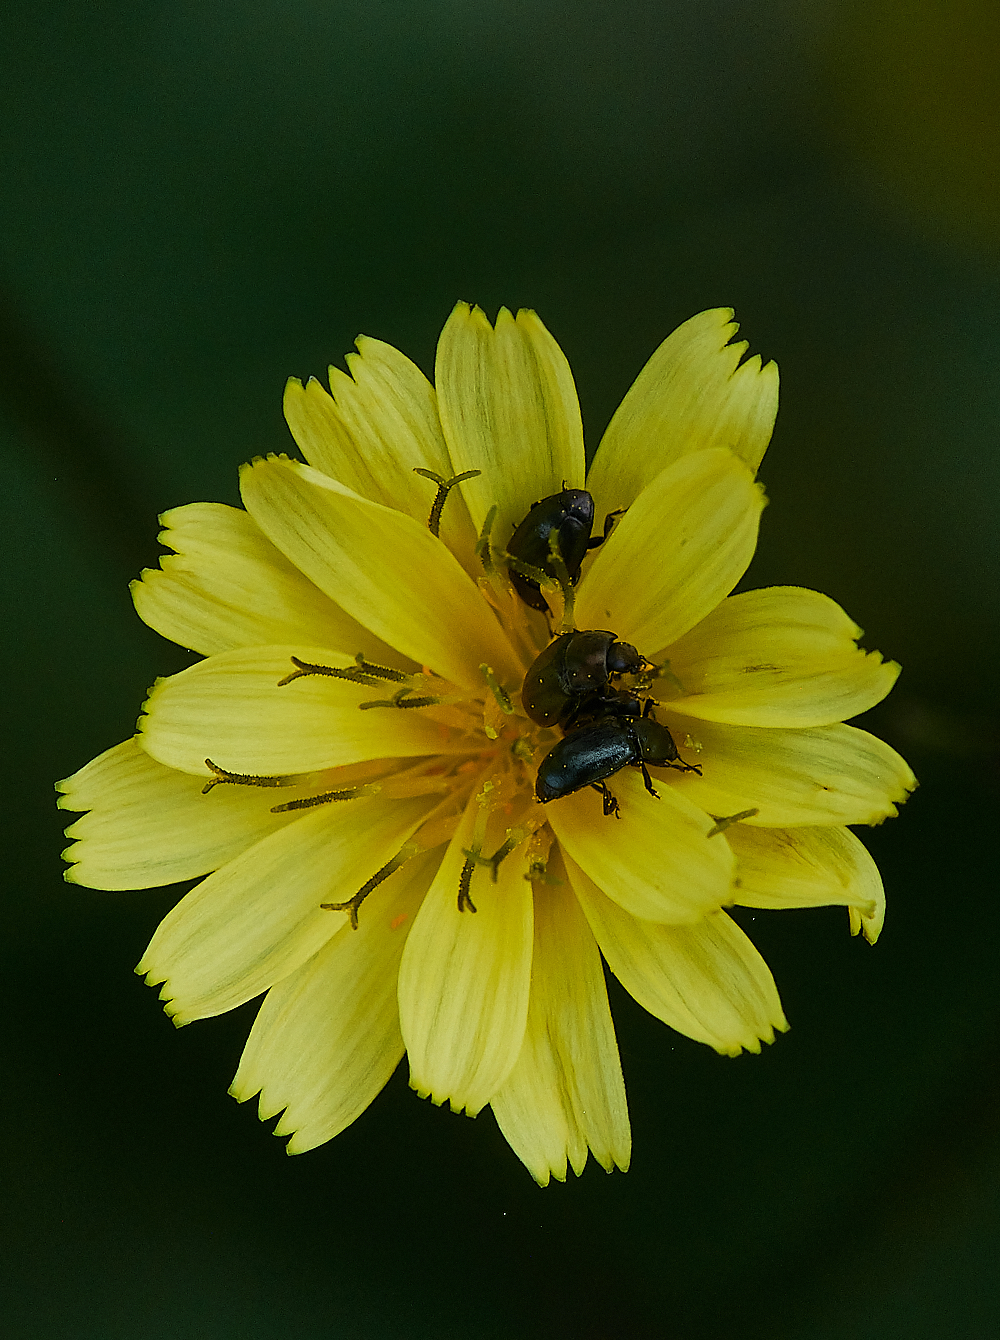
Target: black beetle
column 569, row 513
column 617, row 739
column 571, row 670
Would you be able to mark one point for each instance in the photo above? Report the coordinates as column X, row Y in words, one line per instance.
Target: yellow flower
column 372, row 670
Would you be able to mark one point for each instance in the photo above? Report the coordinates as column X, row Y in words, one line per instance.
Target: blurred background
column 197, row 201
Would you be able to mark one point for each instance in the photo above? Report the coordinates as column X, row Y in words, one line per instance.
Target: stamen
column 241, row 779
column 327, row 798
column 438, row 827
column 497, row 589
column 514, row 838
column 538, row 872
column 362, row 672
column 722, row 824
column 465, row 883
column 537, row 575
column 416, row 782
column 497, row 689
column 566, row 587
column 538, row 855
column 401, row 700
column 483, row 551
column 445, row 486
column 380, row 876
column 381, row 671
column 487, row 801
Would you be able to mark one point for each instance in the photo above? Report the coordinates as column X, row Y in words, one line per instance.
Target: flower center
column 487, row 775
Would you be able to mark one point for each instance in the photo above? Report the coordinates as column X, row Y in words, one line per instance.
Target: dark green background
column 201, row 199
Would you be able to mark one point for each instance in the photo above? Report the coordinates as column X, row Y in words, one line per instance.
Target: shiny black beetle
column 569, row 513
column 573, row 673
column 617, row 738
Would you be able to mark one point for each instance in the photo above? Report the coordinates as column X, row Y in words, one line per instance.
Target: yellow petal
column 566, row 1092
column 232, row 709
column 681, row 548
column 691, row 395
column 656, row 859
column 227, row 586
column 384, row 568
column 327, row 1038
column 377, row 427
column 150, row 825
column 258, row 918
column 827, row 775
column 808, row 867
column 782, row 656
column 804, row 867
column 705, row 980
column 463, row 982
column 872, row 926
column 508, row 407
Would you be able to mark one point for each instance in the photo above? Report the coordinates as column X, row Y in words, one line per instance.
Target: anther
column 239, row 779
column 380, row 876
column 722, row 824
column 445, row 486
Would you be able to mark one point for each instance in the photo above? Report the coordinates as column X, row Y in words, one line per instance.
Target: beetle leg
column 610, row 802
column 681, row 766
column 648, row 781
column 609, row 522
